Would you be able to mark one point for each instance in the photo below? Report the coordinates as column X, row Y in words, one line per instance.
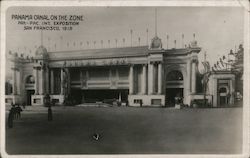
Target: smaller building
column 221, row 86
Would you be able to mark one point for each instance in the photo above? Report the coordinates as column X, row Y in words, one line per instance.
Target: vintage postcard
column 125, row 79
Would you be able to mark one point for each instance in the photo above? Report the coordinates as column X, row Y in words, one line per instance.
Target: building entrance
column 223, row 97
column 102, row 95
column 29, row 94
column 171, row 93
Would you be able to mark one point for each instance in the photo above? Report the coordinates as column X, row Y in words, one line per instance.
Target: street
column 126, row 130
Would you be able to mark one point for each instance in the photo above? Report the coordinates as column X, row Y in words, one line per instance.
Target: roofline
column 67, row 51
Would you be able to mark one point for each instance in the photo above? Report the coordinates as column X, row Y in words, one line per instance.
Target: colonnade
column 148, row 80
column 15, row 86
column 52, row 81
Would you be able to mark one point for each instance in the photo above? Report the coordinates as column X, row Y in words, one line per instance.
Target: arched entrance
column 29, row 86
column 174, row 87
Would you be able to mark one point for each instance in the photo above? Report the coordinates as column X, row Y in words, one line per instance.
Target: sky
column 216, row 29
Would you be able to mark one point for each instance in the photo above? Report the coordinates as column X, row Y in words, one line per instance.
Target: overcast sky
column 217, row 29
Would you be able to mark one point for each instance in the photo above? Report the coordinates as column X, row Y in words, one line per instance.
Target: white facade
column 138, row 76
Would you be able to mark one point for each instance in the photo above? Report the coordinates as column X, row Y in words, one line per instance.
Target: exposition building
column 135, row 76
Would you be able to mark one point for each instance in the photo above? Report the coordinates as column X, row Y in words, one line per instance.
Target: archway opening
column 174, row 87
column 29, row 86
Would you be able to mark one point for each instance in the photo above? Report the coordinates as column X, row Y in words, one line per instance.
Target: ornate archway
column 174, row 86
column 29, row 86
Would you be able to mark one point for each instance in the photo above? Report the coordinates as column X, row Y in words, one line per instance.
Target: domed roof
column 42, row 52
column 156, row 43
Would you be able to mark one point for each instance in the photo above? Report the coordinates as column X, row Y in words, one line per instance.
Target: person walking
column 11, row 116
column 18, row 111
column 50, row 116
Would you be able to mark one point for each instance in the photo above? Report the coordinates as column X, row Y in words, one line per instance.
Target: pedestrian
column 14, row 111
column 11, row 116
column 140, row 103
column 23, row 105
column 18, row 111
column 50, row 117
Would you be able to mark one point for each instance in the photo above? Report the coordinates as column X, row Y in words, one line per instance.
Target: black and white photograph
column 125, row 79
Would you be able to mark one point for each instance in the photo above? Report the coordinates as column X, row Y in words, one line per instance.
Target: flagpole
column 182, row 42
column 155, row 21
column 147, row 36
column 131, row 34
column 167, row 40
column 41, row 37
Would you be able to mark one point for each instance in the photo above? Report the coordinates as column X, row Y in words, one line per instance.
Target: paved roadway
column 126, row 130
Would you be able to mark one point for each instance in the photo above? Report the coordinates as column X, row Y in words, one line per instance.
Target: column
column 160, row 78
column 150, row 78
column 215, row 93
column 144, row 79
column 47, row 81
column 52, row 81
column 18, row 81
column 193, row 78
column 232, row 91
column 131, row 79
column 187, row 83
column 188, row 76
column 14, row 90
column 42, row 80
column 62, row 78
column 69, row 81
column 36, row 81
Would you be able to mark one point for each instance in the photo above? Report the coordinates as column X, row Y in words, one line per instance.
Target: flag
column 221, row 62
column 213, row 69
column 218, row 65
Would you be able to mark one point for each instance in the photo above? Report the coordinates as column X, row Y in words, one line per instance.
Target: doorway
column 29, row 94
column 223, row 97
column 171, row 93
column 90, row 96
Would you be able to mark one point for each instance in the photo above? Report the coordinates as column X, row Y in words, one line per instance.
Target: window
column 99, row 74
column 223, row 90
column 137, row 101
column 174, row 76
column 156, row 101
column 30, row 79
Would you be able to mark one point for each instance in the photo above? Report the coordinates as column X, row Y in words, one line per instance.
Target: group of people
column 15, row 113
